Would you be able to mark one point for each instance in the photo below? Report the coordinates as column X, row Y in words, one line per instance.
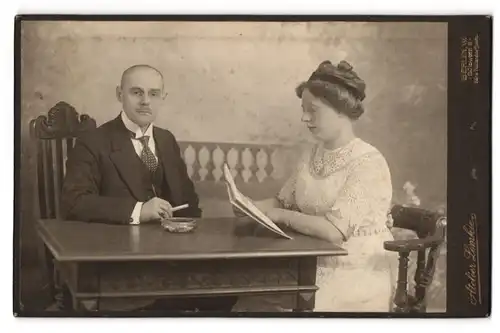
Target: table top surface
column 217, row 238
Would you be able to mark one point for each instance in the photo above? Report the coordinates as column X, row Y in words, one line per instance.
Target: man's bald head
column 141, row 92
column 141, row 67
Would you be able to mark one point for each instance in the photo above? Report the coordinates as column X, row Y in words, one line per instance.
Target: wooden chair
column 430, row 228
column 53, row 137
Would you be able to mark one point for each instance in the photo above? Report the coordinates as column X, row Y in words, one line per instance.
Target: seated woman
column 341, row 192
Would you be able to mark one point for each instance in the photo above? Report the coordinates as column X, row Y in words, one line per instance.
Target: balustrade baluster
column 218, row 159
column 269, row 168
column 277, row 172
column 203, row 159
column 210, row 166
column 239, row 167
column 232, row 161
column 253, row 167
column 190, row 157
column 261, row 162
column 247, row 160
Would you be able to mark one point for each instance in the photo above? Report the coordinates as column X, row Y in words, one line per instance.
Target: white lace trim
column 324, row 161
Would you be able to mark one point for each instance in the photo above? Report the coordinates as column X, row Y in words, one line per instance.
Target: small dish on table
column 179, row 224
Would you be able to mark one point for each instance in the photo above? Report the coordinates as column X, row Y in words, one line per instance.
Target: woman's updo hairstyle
column 339, row 86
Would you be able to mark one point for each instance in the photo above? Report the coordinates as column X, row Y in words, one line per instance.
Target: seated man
column 129, row 171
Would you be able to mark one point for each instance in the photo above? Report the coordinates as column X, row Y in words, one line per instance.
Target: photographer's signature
column 471, row 255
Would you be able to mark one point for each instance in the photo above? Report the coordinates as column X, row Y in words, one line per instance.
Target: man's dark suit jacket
column 102, row 184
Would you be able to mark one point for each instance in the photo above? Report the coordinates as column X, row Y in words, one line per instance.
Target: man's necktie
column 147, row 155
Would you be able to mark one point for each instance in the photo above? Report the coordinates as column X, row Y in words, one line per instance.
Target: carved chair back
column 430, row 228
column 54, row 137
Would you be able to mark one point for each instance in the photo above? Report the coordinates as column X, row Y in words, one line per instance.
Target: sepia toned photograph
column 233, row 167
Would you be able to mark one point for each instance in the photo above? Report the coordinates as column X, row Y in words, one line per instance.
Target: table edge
column 55, row 248
column 199, row 256
column 198, row 292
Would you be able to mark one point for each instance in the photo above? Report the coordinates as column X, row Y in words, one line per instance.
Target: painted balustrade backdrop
column 258, row 170
column 247, row 162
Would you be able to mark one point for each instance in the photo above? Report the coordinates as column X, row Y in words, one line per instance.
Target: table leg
column 307, row 276
column 53, row 280
column 65, row 297
column 76, row 304
column 69, row 275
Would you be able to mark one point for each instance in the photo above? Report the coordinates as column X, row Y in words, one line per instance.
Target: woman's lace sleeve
column 365, row 197
column 286, row 196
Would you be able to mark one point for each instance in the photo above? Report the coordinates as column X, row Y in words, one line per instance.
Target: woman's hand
column 277, row 215
column 262, row 206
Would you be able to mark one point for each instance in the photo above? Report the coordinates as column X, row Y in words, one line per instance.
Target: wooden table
column 225, row 256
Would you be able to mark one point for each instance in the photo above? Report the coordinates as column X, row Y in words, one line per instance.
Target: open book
column 246, row 205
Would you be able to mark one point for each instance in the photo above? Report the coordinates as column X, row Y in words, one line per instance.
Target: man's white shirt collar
column 134, row 128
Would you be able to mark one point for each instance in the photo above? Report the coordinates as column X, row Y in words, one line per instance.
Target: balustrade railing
column 248, row 163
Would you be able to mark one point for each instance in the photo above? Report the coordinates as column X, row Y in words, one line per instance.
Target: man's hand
column 155, row 209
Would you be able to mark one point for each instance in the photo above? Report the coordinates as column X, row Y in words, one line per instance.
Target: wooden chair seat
column 413, row 244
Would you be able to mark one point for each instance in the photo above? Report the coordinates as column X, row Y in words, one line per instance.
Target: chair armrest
column 409, row 245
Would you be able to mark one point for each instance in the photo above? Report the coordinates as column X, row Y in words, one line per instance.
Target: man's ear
column 164, row 95
column 119, row 93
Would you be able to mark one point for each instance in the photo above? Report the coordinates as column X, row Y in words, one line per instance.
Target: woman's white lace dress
column 351, row 187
